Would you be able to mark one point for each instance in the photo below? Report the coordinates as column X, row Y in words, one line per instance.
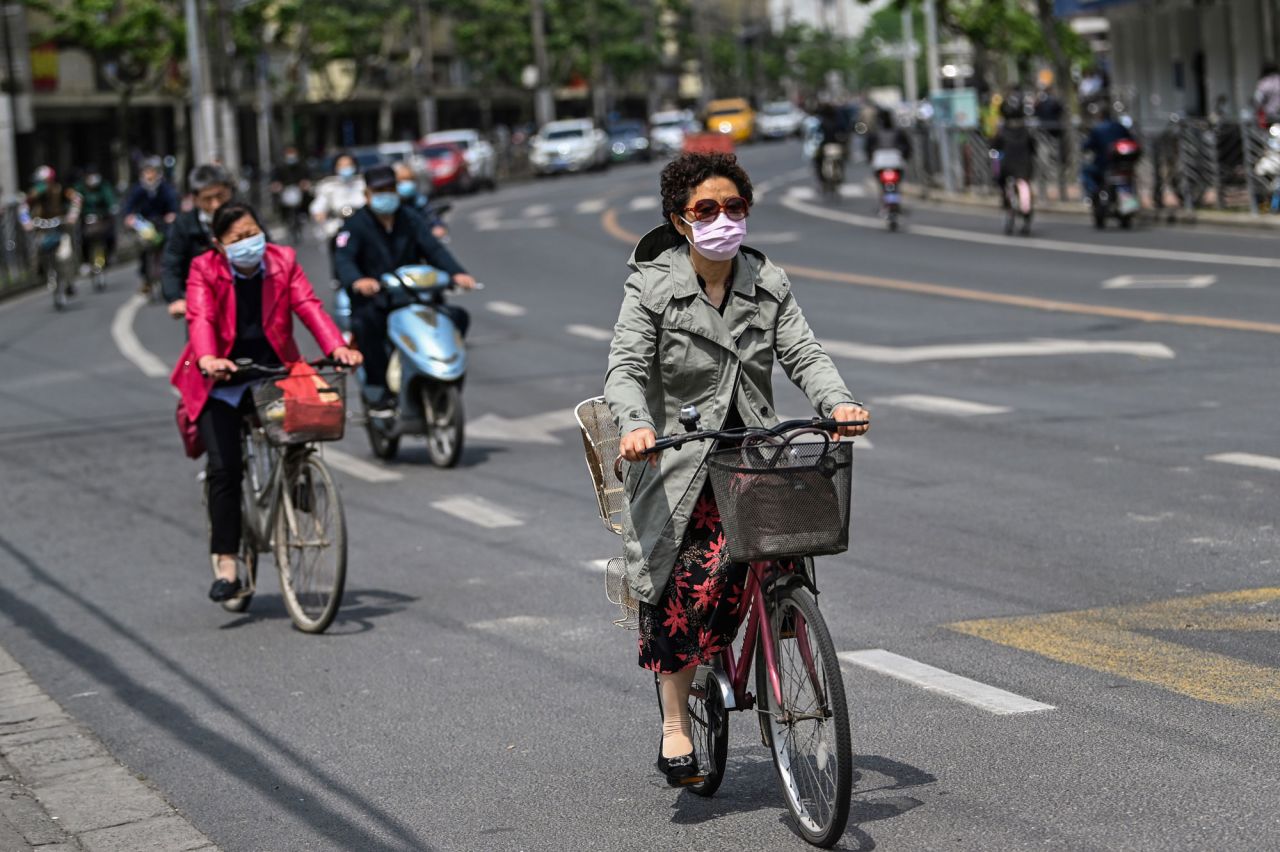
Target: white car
column 572, row 145
column 779, row 120
column 667, row 129
column 482, row 161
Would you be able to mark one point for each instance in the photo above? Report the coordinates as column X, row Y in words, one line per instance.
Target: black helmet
column 1011, row 107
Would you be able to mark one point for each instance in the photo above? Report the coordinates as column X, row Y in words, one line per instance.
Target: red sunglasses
column 735, row 207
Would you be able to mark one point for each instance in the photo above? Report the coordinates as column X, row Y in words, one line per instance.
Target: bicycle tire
column 312, row 611
column 820, row 818
column 709, row 721
column 384, row 446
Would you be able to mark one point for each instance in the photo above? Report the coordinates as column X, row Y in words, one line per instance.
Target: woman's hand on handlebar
column 347, row 355
column 634, row 443
column 848, row 412
column 219, row 369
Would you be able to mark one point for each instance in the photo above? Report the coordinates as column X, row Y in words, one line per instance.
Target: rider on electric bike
column 152, row 200
column 377, row 239
column 97, row 220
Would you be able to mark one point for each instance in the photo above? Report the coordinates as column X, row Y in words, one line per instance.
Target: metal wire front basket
column 783, row 500
column 300, row 409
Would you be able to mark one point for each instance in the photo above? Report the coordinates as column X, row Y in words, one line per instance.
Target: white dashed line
column 590, row 332
column 1247, row 460
column 359, row 468
column 514, row 224
column 513, row 622
column 534, row 429
column 1159, row 282
column 940, row 405
column 477, row 511
column 535, row 211
column 591, row 205
column 953, row 352
column 506, row 309
column 644, row 202
column 972, row 692
column 127, row 342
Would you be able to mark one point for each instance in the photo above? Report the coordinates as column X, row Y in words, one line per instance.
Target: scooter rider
column 338, row 196
column 211, row 186
column 153, row 199
column 1104, row 134
column 377, row 239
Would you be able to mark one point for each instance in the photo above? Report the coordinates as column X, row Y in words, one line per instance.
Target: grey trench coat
column 672, row 348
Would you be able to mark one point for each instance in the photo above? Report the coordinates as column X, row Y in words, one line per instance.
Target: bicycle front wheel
column 809, row 732
column 311, row 544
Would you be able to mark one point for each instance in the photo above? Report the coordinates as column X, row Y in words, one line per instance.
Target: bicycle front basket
column 302, row 408
column 780, row 501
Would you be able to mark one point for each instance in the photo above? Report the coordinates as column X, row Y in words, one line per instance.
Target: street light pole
column 427, row 73
column 202, row 106
column 544, row 106
column 9, row 185
column 910, row 85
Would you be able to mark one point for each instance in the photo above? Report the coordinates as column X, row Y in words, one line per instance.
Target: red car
column 447, row 165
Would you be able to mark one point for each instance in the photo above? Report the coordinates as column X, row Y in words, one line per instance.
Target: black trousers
column 219, row 426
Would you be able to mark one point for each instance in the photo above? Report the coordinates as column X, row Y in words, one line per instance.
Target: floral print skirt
column 697, row 616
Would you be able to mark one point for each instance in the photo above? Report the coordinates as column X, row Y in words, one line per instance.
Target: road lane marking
column 1017, row 349
column 478, row 511
column 609, row 222
column 535, row 429
column 511, row 622
column 799, row 206
column 591, row 205
column 802, row 192
column 506, row 309
column 536, row 211
column 1159, row 282
column 514, row 224
column 1117, row 641
column 853, row 190
column 778, row 238
column 590, row 332
column 941, row 405
column 1247, row 460
column 359, row 468
column 644, row 202
column 127, row 342
column 972, row 692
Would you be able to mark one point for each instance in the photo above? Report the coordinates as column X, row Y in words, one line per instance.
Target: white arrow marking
column 644, row 202
column 590, row 332
column 535, row 429
column 914, row 354
column 506, row 309
column 1159, row 282
column 591, row 205
column 940, row 405
column 1247, row 460
column 127, row 342
column 359, row 468
column 480, row 512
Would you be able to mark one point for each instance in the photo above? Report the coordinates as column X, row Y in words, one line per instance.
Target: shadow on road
column 360, row 608
column 298, row 793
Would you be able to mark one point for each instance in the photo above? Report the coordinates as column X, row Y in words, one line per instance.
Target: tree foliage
column 133, row 42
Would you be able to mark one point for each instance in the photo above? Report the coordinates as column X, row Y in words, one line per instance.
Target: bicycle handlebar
column 244, row 365
column 825, row 424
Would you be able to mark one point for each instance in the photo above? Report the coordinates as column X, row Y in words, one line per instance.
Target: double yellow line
column 609, row 221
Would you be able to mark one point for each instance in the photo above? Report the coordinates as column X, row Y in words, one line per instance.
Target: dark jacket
column 364, row 249
column 1100, row 139
column 1017, row 151
column 188, row 239
column 152, row 206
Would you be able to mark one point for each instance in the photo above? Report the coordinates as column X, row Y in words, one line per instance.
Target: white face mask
column 718, row 239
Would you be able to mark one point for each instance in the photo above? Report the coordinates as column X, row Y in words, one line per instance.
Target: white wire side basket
column 600, row 440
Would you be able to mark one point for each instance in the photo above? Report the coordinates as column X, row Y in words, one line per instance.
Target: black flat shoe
column 680, row 770
column 223, row 590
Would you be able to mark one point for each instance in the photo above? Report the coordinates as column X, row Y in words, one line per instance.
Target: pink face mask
column 718, row 239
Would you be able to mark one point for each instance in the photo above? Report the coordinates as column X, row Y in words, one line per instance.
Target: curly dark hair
column 683, row 175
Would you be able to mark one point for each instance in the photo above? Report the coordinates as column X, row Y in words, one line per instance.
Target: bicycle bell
column 689, row 417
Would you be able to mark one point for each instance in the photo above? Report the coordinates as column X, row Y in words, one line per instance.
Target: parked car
column 629, row 141
column 779, row 120
column 482, row 162
column 667, row 130
column 733, row 117
column 382, row 154
column 447, row 165
column 571, row 145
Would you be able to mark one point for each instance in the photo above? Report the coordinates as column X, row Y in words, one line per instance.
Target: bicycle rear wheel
column 311, row 543
column 809, row 734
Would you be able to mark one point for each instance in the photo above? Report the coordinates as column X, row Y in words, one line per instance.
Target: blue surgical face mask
column 384, row 203
column 347, row 172
column 247, row 253
column 407, row 188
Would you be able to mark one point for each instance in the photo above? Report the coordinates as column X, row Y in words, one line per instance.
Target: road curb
column 60, row 789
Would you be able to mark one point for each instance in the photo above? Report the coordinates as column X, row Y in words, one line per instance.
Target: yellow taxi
column 733, row 117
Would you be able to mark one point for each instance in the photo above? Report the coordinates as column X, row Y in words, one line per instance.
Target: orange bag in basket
column 311, row 406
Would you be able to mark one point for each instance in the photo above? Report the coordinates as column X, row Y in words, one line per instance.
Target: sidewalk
column 61, row 790
column 1169, row 215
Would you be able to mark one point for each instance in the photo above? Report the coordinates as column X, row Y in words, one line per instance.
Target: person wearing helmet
column 99, row 202
column 152, row 199
column 49, row 200
column 211, row 186
column 1098, row 143
column 1017, row 151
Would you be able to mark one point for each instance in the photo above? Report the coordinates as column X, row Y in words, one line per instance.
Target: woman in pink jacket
column 241, row 298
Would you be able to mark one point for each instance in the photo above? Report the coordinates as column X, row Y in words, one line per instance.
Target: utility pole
column 704, row 54
column 9, row 185
column 426, row 71
column 264, row 124
column 931, row 45
column 203, row 119
column 599, row 87
column 544, row 105
column 910, row 85
column 228, row 124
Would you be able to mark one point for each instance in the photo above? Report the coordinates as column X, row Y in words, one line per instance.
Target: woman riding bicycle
column 241, row 299
column 702, row 321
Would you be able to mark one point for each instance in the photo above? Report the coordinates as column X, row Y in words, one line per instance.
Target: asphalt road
column 473, row 693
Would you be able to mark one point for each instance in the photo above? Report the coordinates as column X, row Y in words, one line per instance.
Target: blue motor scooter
column 426, row 368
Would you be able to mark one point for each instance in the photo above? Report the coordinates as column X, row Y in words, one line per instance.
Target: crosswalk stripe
column 1247, row 460
column 972, row 692
column 590, row 332
column 359, row 468
column 506, row 309
column 591, row 205
column 940, row 405
column 477, row 511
